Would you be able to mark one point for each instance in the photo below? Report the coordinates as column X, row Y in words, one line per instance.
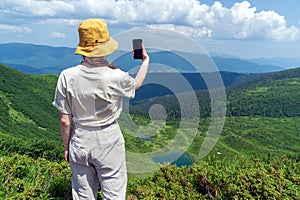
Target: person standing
column 90, row 95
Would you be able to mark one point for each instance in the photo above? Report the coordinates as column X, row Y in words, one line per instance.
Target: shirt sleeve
column 61, row 100
column 124, row 85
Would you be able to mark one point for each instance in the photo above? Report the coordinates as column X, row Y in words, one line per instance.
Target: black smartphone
column 137, row 48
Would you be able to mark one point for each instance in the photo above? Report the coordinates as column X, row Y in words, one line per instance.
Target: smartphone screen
column 137, row 48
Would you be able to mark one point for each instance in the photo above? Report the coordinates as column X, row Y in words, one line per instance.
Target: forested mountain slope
column 25, row 105
column 271, row 95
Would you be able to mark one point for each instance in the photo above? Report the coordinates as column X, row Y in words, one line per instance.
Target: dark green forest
column 256, row 157
column 271, row 95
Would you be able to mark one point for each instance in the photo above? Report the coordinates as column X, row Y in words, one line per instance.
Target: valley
column 261, row 131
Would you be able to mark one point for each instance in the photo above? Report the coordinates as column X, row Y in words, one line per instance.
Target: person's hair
column 112, row 66
column 109, row 65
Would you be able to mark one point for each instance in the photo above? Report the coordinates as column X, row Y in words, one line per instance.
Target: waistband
column 94, row 127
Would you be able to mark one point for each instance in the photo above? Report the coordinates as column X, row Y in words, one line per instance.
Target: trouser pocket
column 78, row 154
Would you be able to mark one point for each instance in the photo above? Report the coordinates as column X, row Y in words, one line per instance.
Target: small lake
column 144, row 137
column 175, row 157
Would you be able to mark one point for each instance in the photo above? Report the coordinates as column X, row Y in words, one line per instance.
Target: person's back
column 95, row 93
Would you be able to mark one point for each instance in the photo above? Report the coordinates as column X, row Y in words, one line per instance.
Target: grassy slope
column 26, row 109
column 262, row 117
column 274, row 95
column 259, row 136
column 241, row 136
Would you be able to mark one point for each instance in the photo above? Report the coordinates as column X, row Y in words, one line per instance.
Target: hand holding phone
column 137, row 48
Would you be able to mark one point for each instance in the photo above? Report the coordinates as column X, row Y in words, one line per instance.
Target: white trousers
column 98, row 155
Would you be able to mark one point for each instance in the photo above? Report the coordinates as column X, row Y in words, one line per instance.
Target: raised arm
column 142, row 72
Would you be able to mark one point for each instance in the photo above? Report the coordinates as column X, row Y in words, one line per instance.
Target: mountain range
column 41, row 59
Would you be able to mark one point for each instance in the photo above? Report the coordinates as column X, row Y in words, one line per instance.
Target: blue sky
column 253, row 28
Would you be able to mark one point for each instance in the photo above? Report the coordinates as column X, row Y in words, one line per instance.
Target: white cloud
column 62, row 21
column 185, row 30
column 40, row 8
column 15, row 29
column 57, row 35
column 241, row 21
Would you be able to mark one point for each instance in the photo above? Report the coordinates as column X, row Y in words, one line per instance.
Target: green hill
column 271, row 95
column 29, row 124
column 26, row 109
column 256, row 156
column 262, row 116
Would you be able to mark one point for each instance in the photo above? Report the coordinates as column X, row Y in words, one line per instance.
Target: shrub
column 222, row 179
column 23, row 177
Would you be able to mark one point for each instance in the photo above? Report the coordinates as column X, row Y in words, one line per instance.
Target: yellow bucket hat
column 94, row 39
